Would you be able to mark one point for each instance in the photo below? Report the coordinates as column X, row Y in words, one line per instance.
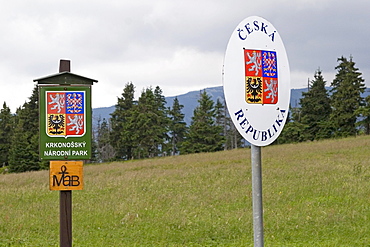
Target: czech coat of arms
column 261, row 77
column 65, row 114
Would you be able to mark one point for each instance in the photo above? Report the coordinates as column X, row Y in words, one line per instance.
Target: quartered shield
column 65, row 114
column 261, row 77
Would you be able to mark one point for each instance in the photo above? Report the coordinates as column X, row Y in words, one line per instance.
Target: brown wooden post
column 65, row 196
column 64, row 66
column 65, row 209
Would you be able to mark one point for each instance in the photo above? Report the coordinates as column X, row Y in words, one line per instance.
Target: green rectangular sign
column 65, row 122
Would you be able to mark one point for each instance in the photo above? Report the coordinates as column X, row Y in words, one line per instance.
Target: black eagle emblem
column 254, row 89
column 56, row 122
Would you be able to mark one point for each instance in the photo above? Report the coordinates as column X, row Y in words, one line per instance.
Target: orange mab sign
column 66, row 175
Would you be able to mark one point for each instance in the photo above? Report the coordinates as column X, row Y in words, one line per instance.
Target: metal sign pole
column 257, row 195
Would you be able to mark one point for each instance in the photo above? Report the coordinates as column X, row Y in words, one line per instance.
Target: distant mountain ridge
column 190, row 101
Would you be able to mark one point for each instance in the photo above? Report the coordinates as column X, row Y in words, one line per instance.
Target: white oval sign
column 256, row 81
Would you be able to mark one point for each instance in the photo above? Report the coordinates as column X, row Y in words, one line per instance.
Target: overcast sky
column 177, row 45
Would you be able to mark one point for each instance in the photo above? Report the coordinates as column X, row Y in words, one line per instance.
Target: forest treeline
column 146, row 128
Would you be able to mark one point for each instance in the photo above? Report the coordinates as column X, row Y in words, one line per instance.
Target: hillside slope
column 315, row 194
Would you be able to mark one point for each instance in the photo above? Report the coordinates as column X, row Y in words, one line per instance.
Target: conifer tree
column 315, row 108
column 140, row 122
column 121, row 126
column 346, row 97
column 220, row 113
column 177, row 126
column 364, row 113
column 294, row 130
column 162, row 121
column 233, row 139
column 6, row 133
column 24, row 151
column 204, row 134
column 105, row 151
column 151, row 124
column 221, row 121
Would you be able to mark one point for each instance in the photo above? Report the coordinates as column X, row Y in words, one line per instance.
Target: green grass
column 314, row 194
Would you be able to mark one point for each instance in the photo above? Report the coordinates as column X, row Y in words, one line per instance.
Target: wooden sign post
column 65, row 136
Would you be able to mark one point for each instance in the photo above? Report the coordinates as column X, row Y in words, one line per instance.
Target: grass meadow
column 314, row 194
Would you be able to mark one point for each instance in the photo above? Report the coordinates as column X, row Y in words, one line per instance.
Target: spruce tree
column 177, row 126
column 151, row 124
column 346, row 97
column 364, row 113
column 105, row 151
column 220, row 113
column 294, row 130
column 204, row 134
column 139, row 122
column 6, row 134
column 121, row 126
column 221, row 121
column 162, row 121
column 233, row 139
column 24, row 151
column 315, row 108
